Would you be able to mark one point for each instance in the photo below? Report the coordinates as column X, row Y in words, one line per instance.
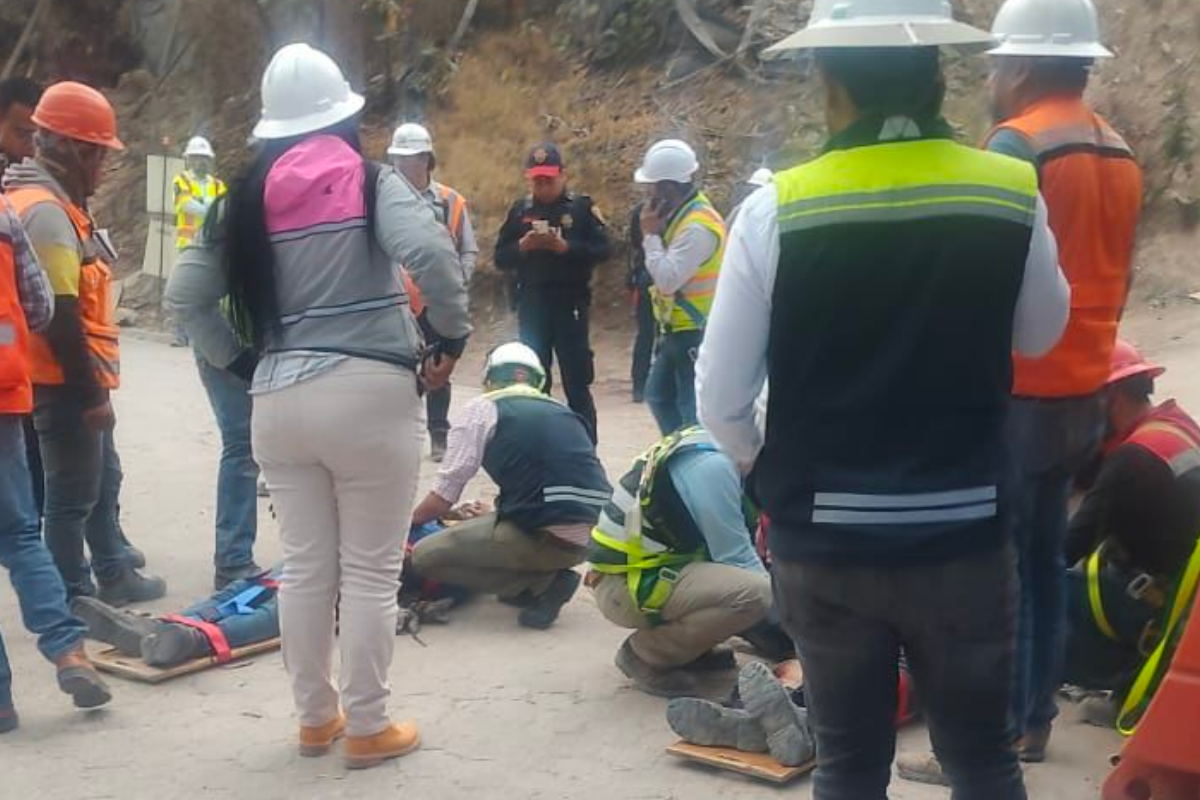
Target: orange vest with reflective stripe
column 1093, row 190
column 1171, row 435
column 16, row 392
column 95, row 295
column 456, row 210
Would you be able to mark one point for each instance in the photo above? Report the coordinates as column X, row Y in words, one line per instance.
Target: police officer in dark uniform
column 552, row 239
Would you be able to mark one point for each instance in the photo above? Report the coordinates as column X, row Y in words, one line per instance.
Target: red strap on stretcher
column 222, row 653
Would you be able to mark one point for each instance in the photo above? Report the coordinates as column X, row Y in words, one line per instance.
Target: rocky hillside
column 602, row 78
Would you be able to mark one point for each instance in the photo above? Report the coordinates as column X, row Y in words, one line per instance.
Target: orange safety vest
column 1093, row 190
column 95, row 292
column 456, row 210
column 16, row 391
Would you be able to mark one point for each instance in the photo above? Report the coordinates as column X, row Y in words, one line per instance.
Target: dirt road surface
column 506, row 713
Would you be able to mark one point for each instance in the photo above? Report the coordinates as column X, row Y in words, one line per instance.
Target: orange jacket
column 16, row 391
column 1093, row 190
column 95, row 292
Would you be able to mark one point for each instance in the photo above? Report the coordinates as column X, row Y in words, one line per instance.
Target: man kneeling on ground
column 672, row 557
column 552, row 488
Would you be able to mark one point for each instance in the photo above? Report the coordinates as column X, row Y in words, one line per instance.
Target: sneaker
column 654, row 680
column 923, row 768
column 78, row 678
column 316, row 741
column 132, row 587
column 437, row 447
column 719, row 659
column 392, row 742
column 172, row 643
column 9, row 721
column 121, row 629
column 1032, row 746
column 710, row 724
column 544, row 610
column 225, row 576
column 788, row 738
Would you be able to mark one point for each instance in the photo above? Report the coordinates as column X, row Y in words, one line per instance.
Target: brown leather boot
column 392, row 742
column 78, row 678
column 316, row 740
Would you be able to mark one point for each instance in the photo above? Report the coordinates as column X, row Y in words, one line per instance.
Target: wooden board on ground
column 755, row 765
column 110, row 660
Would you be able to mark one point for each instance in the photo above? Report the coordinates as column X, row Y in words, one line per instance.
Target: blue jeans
column 37, row 583
column 671, row 387
column 261, row 624
column 237, row 476
column 1051, row 441
column 83, row 480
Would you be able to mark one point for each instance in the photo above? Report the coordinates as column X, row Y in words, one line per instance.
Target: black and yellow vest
column 890, row 359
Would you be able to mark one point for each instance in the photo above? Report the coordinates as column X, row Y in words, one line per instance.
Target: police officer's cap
column 544, row 161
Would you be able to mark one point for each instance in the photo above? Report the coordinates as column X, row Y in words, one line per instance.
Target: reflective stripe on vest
column 647, row 564
column 186, row 189
column 456, row 210
column 1093, row 189
column 688, row 308
column 16, row 391
column 95, row 304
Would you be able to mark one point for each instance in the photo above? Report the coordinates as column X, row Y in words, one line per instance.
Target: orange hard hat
column 78, row 112
column 1127, row 362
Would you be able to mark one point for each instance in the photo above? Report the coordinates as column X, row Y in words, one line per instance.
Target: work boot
column 9, row 721
column 719, row 659
column 172, row 643
column 78, row 678
column 1031, row 748
column 710, row 724
column 121, row 629
column 132, row 587
column 788, row 738
column 316, row 741
column 923, row 768
column 392, row 742
column 225, row 576
column 651, row 679
column 437, row 446
column 545, row 608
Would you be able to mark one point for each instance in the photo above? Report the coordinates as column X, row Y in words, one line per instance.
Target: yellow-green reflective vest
column 688, row 308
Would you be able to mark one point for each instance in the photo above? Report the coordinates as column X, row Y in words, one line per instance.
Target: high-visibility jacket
column 1093, row 190
column 1174, row 438
column 456, row 211
column 16, row 391
column 645, row 532
column 189, row 188
column 95, row 297
column 688, row 308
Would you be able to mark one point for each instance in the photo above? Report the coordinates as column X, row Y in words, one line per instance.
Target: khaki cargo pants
column 492, row 557
column 709, row 603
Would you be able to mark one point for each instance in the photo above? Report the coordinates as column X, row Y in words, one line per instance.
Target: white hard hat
column 198, row 146
column 1061, row 28
column 303, row 90
column 761, row 177
column 883, row 23
column 515, row 354
column 668, row 160
column 410, row 139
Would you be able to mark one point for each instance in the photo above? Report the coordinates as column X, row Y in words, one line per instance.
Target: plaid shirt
column 32, row 284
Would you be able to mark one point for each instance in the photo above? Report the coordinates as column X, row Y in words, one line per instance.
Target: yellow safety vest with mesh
column 630, row 537
column 688, row 308
column 188, row 188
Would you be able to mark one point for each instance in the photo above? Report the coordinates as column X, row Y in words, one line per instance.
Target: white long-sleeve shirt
column 732, row 365
column 672, row 267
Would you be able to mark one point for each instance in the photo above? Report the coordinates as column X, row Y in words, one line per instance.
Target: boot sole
column 318, row 750
column 374, row 760
column 102, row 627
column 84, row 688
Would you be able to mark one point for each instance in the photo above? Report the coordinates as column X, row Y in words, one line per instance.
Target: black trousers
column 554, row 324
column 643, row 344
column 437, row 411
column 956, row 626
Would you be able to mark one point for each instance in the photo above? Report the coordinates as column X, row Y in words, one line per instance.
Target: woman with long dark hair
column 310, row 241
